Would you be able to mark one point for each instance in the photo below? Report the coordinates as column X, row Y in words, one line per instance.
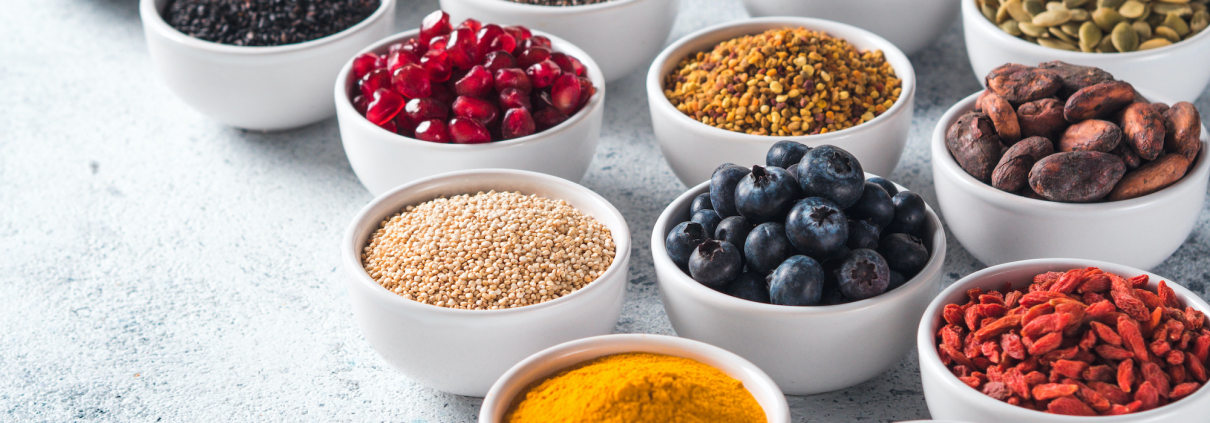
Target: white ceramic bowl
column 1180, row 71
column 382, row 159
column 807, row 350
column 950, row 399
column 622, row 35
column 260, row 88
column 464, row 351
column 693, row 149
column 999, row 227
column 910, row 25
column 554, row 359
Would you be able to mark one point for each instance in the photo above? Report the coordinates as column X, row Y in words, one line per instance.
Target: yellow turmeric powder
column 637, row 388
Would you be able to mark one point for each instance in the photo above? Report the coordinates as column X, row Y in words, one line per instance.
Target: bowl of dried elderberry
column 259, row 65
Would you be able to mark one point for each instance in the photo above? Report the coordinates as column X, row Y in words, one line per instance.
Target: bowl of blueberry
column 807, row 266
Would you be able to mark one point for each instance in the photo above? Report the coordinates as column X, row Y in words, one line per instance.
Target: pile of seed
column 783, row 82
column 488, row 251
column 266, row 22
column 1100, row 26
column 559, row 2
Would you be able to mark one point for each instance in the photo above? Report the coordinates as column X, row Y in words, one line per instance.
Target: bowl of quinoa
column 456, row 277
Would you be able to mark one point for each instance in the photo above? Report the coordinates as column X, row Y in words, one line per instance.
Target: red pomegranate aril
column 390, row 125
column 477, row 83
column 565, row 94
column 530, row 56
column 414, row 46
column 471, row 24
column 478, row 109
column 422, row 109
column 463, row 51
column 548, row 118
column 486, row 36
column 398, row 58
column 433, row 130
column 513, row 78
column 586, row 91
column 540, row 41
column 543, row 73
column 437, row 63
column 412, row 81
column 520, row 33
column 517, row 123
column 512, row 98
column 435, row 24
column 468, row 131
column 569, row 64
column 383, row 107
column 360, row 104
column 443, row 94
column 374, row 81
column 363, row 64
column 497, row 60
column 440, row 42
column 404, row 125
column 541, row 100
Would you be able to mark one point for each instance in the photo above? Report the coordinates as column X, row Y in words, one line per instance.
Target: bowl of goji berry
column 1065, row 340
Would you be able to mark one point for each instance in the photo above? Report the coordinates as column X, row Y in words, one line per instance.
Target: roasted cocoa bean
column 1143, row 130
column 973, row 142
column 1003, row 117
column 1012, row 174
column 1077, row 176
column 1183, row 130
column 1160, row 108
column 1098, row 101
column 1076, row 77
column 1035, row 147
column 1151, row 177
column 979, row 100
column 1042, row 118
column 1021, row 84
column 1129, row 158
column 1091, row 135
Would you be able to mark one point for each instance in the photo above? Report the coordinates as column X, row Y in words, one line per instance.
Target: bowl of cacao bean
column 1157, row 45
column 1062, row 160
column 807, row 266
column 259, row 65
column 1065, row 340
column 456, row 96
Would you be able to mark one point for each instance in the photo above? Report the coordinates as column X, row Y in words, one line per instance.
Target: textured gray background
column 157, row 265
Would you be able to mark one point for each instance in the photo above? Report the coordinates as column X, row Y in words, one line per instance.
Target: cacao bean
column 1012, row 174
column 1183, row 130
column 979, row 100
column 1004, row 119
column 1075, row 77
column 1160, row 108
column 973, row 142
column 1143, row 130
column 1042, row 118
column 1021, row 84
column 1129, row 158
column 1076, row 176
column 1151, row 177
column 1035, row 147
column 1091, row 135
column 1098, row 101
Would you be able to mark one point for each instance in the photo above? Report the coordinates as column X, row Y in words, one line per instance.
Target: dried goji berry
column 1132, row 338
column 1175, row 358
column 1090, row 396
column 1177, row 373
column 1011, row 344
column 1117, row 409
column 957, row 356
column 1201, row 347
column 1004, row 324
column 951, row 335
column 952, row 313
column 1132, row 306
column 1069, row 368
column 1168, row 295
column 1139, row 281
column 1046, row 324
column 1100, row 372
column 1148, row 298
column 1106, row 334
column 1126, row 375
column 1069, row 281
column 972, row 318
column 1110, row 352
column 974, row 294
column 973, row 382
column 1194, row 319
column 1035, row 377
column 1155, row 375
column 1183, row 390
column 1012, row 300
column 991, row 350
column 1041, row 297
column 1160, row 348
column 1101, row 310
column 1196, row 369
column 1046, row 344
column 1045, row 280
column 994, row 297
column 1088, row 341
column 1111, row 392
column 992, row 310
column 1016, row 382
column 1070, row 406
column 1148, row 395
column 1091, row 298
column 1094, row 284
column 997, row 390
column 1175, row 329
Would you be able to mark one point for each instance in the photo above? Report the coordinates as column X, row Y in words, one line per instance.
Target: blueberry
column 905, row 253
column 909, row 213
column 701, row 202
column 897, row 280
column 715, row 264
column 874, row 205
column 885, row 184
column 830, row 172
column 722, row 188
column 766, row 194
column 834, row 297
column 793, row 169
column 785, row 153
column 682, row 240
column 816, row 226
column 797, row 282
column 766, row 247
column 834, row 259
column 708, row 219
column 863, row 234
column 864, row 274
column 750, row 286
column 735, row 230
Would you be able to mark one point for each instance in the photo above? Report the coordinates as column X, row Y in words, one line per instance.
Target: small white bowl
column 911, row 25
column 693, row 149
column 999, row 227
column 464, row 351
column 259, row 88
column 552, row 360
column 807, row 350
column 1180, row 71
column 950, row 399
column 382, row 159
column 622, row 35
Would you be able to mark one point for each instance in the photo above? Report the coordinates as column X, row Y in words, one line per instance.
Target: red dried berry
column 433, row 130
column 512, row 98
column 565, row 94
column 512, row 78
column 477, row 109
column 530, row 56
column 517, row 123
column 375, row 80
column 497, row 60
column 363, row 64
column 543, row 74
column 383, row 107
column 478, row 82
column 462, row 48
column 433, row 25
column 412, row 81
column 468, row 131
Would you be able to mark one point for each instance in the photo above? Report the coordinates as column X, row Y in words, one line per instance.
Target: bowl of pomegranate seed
column 1065, row 340
column 443, row 98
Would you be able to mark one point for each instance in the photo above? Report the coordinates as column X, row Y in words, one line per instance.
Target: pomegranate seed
column 385, row 104
column 437, row 63
column 360, row 104
column 422, row 109
column 569, row 64
column 363, row 64
column 373, row 81
column 477, row 83
column 541, row 99
column 512, row 98
column 463, row 51
column 543, row 73
column 586, row 91
column 530, row 56
column 404, row 125
column 548, row 118
column 468, row 131
column 470, row 24
column 478, row 109
column 398, row 58
column 565, row 94
column 412, row 81
column 513, row 78
column 520, row 33
column 517, row 123
column 497, row 60
column 414, row 46
column 440, row 42
column 486, row 35
column 443, row 94
column 433, row 130
column 539, row 40
column 390, row 126
column 435, row 24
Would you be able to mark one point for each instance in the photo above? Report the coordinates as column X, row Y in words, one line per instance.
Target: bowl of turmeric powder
column 634, row 378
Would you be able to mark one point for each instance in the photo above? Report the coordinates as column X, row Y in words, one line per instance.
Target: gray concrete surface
column 158, row 266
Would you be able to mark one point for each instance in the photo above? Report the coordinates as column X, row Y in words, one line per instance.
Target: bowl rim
column 906, row 74
column 595, row 102
column 943, row 159
column 506, row 6
column 351, row 255
column 152, row 17
column 703, row 294
column 643, row 342
column 969, row 11
column 928, row 351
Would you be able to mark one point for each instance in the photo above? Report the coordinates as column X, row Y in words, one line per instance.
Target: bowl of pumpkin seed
column 1159, row 45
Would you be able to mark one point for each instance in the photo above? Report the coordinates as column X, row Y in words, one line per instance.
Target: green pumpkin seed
column 1034, row 7
column 1174, row 1
column 1055, row 5
column 1199, row 22
column 1107, row 18
column 1142, row 29
column 1052, row 18
column 1090, row 35
column 1167, row 8
column 1071, row 28
column 1080, row 15
column 1010, row 26
column 1155, row 19
column 1167, row 34
column 1124, row 38
column 1033, row 30
column 1002, row 13
column 1132, row 9
column 1059, row 44
column 1017, row 11
column 1154, row 43
column 1177, row 24
column 1112, row 4
column 1106, row 45
column 1058, row 33
column 1072, row 4
column 988, row 12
